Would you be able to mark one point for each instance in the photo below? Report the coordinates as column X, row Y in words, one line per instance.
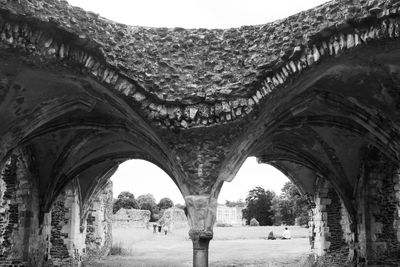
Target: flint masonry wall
column 333, row 236
column 99, row 224
column 20, row 241
column 381, row 212
column 67, row 241
column 60, row 238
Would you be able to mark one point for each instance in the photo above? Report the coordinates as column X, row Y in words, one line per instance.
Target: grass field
column 231, row 246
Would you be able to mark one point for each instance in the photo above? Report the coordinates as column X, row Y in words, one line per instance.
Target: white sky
column 141, row 177
column 195, row 13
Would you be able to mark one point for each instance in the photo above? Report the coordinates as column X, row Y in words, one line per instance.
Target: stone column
column 20, row 241
column 67, row 239
column 380, row 210
column 99, row 222
column 202, row 211
column 321, row 230
column 334, row 233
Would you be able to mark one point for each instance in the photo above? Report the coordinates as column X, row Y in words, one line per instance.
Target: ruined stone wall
column 333, row 236
column 67, row 244
column 99, row 223
column 381, row 208
column 21, row 241
column 56, row 239
column 127, row 218
column 174, row 218
column 334, row 218
column 396, row 181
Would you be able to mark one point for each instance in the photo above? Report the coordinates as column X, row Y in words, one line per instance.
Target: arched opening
column 250, row 208
column 147, row 218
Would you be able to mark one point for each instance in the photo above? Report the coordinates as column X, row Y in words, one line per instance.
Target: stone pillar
column 99, row 222
column 21, row 243
column 321, row 230
column 334, row 238
column 396, row 182
column 67, row 239
column 202, row 211
column 378, row 205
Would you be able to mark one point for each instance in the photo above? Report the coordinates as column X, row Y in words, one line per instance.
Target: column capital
column 200, row 235
column 202, row 211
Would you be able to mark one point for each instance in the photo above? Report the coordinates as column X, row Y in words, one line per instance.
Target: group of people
column 285, row 235
column 160, row 228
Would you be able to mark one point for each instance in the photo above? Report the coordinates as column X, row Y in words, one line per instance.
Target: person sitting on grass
column 271, row 236
column 286, row 234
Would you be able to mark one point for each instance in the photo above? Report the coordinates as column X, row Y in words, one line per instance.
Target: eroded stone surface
column 99, row 221
column 209, row 76
column 131, row 218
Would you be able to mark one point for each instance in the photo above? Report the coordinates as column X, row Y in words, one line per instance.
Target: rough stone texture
column 334, row 240
column 219, row 75
column 382, row 245
column 396, row 182
column 98, row 224
column 174, row 218
column 67, row 240
column 131, row 218
column 21, row 243
column 201, row 215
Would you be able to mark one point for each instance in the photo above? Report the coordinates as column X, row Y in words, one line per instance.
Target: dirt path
column 250, row 252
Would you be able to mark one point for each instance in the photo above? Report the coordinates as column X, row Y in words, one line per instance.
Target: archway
column 143, row 223
column 250, row 208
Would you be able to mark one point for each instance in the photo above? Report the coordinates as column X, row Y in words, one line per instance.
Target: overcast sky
column 141, row 177
column 195, row 13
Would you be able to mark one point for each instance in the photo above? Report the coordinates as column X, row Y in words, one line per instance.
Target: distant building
column 229, row 215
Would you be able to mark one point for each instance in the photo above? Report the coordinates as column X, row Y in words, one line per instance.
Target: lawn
column 231, row 246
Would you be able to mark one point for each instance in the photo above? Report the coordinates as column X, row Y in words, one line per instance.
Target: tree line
column 264, row 207
column 261, row 207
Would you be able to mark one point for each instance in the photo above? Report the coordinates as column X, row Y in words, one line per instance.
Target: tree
column 165, row 203
column 125, row 200
column 293, row 205
column 146, row 202
column 258, row 206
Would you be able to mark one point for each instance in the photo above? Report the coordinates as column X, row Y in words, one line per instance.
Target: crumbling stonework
column 131, row 218
column 99, row 224
column 333, row 237
column 21, row 243
column 381, row 208
column 174, row 218
column 67, row 240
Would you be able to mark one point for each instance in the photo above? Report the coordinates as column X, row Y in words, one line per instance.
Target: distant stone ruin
column 131, row 218
column 174, row 218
